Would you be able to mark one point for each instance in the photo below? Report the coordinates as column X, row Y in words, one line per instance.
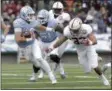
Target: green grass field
column 15, row 76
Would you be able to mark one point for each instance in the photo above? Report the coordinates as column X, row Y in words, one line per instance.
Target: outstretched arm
column 43, row 28
column 60, row 41
column 92, row 38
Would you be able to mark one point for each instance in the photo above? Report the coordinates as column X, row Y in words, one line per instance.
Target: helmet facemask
column 43, row 16
column 57, row 11
column 42, row 20
column 30, row 17
column 57, row 8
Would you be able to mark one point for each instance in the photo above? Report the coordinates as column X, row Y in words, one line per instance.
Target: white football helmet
column 75, row 25
column 27, row 13
column 43, row 16
column 57, row 8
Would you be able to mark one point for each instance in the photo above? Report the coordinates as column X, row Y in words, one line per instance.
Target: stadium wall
column 68, row 57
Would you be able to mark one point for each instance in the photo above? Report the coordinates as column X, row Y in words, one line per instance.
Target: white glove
column 32, row 29
column 49, row 29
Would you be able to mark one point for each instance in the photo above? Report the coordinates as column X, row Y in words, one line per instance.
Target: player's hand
column 48, row 50
column 59, row 28
column 2, row 38
column 87, row 42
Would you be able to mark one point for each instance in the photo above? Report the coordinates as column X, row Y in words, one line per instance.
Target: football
column 26, row 34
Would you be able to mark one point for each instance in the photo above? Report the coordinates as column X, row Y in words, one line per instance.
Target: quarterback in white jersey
column 84, row 39
column 58, row 13
column 46, row 39
column 63, row 19
column 24, row 35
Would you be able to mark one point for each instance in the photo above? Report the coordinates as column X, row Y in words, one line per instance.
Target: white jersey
column 61, row 18
column 86, row 54
column 76, row 38
column 25, row 26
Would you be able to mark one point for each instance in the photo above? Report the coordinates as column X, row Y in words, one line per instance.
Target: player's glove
column 59, row 28
column 86, row 42
column 48, row 50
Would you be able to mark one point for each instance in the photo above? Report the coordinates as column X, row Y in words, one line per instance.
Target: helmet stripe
column 57, row 4
column 73, row 22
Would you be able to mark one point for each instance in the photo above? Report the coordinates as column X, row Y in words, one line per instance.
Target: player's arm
column 60, row 41
column 43, row 28
column 92, row 38
column 18, row 36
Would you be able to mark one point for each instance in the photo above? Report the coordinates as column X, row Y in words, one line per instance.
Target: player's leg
column 56, row 55
column 34, row 74
column 61, row 51
column 93, row 61
column 55, row 58
column 106, row 66
column 83, row 61
column 37, row 53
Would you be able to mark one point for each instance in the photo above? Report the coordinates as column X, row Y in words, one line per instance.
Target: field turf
column 15, row 76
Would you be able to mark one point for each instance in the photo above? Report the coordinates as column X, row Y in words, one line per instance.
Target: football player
column 63, row 19
column 82, row 36
column 46, row 39
column 24, row 36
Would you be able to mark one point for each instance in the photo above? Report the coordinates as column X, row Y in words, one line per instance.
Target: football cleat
column 54, row 82
column 104, row 80
column 33, row 78
column 63, row 76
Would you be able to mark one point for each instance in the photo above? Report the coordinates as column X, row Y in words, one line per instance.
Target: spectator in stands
column 18, row 6
column 4, row 28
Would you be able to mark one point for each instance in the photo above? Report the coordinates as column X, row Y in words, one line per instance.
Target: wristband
column 29, row 39
column 49, row 29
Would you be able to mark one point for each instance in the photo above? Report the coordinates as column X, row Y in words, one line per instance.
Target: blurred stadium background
column 97, row 13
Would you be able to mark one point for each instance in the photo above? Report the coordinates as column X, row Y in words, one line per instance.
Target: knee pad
column 55, row 58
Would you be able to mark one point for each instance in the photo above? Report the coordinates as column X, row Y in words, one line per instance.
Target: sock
column 61, row 69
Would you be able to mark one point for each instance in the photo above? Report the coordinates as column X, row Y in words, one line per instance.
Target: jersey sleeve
column 89, row 29
column 17, row 26
column 36, row 23
column 66, row 17
column 66, row 31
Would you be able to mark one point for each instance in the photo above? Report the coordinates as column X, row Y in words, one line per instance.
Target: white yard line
column 45, row 76
column 64, row 82
column 85, row 87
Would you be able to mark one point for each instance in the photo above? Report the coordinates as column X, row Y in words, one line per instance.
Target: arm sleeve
column 66, row 32
column 67, row 17
column 17, row 27
column 89, row 30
